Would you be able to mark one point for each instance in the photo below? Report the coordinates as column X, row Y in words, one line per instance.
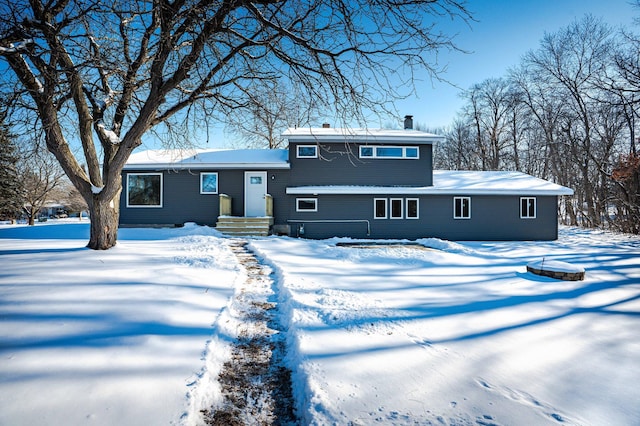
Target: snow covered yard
column 112, row 337
column 462, row 335
column 457, row 335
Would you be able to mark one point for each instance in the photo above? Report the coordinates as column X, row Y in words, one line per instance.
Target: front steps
column 235, row 226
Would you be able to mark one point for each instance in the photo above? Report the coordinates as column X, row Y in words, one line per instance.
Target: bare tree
column 107, row 73
column 40, row 176
column 271, row 109
column 458, row 150
column 488, row 109
column 572, row 60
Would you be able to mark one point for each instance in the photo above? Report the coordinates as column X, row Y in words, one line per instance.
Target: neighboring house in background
column 358, row 183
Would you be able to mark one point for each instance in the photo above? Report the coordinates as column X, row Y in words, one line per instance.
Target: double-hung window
column 462, row 207
column 144, row 190
column 527, row 208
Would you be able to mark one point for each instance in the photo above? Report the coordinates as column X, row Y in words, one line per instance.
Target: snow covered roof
column 329, row 134
column 210, row 158
column 447, row 182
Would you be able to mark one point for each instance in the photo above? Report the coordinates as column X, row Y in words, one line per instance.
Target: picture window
column 144, row 190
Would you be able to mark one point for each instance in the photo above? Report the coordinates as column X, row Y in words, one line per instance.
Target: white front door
column 255, row 189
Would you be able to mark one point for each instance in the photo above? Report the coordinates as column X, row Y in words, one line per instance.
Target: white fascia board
column 216, row 166
column 425, row 190
column 320, row 135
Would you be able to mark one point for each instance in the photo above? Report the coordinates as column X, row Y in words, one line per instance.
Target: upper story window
column 307, row 151
column 527, row 208
column 410, row 152
column 208, row 183
column 462, row 207
column 144, row 190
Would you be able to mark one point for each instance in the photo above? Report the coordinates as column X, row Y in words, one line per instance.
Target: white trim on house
column 386, row 136
column 453, row 183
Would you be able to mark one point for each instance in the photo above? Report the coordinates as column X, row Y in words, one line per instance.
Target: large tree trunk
column 32, row 217
column 104, row 216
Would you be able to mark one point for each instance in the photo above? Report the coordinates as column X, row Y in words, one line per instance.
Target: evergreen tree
column 10, row 188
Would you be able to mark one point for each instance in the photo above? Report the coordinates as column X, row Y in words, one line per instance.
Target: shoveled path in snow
column 256, row 385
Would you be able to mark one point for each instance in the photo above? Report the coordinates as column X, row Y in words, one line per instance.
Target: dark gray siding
column 492, row 218
column 182, row 201
column 338, row 164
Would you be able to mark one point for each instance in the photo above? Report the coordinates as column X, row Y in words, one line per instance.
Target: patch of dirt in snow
column 256, row 386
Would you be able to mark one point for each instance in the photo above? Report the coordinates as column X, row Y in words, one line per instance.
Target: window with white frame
column 144, row 190
column 462, row 207
column 306, row 204
column 412, row 209
column 379, row 208
column 390, row 152
column 307, row 151
column 527, row 208
column 208, row 183
column 396, row 208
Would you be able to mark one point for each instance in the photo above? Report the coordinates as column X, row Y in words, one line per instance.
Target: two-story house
column 359, row 183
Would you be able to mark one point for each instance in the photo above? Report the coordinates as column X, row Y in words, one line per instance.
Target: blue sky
column 504, row 31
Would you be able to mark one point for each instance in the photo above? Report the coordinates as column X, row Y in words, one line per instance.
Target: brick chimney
column 326, row 125
column 408, row 122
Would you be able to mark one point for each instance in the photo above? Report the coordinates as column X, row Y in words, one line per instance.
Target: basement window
column 306, row 204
